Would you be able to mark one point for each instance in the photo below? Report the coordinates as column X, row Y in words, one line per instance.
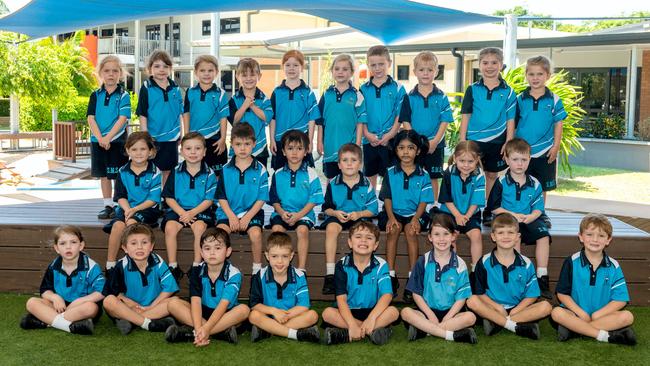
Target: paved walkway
column 577, row 204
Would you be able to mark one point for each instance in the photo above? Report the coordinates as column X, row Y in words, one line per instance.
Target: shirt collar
column 291, row 275
column 502, row 83
column 231, row 163
column 203, row 170
column 349, row 262
column 519, row 260
column 363, row 181
column 171, row 85
column 333, row 89
column 526, row 94
column 416, row 92
column 152, row 260
column 303, row 166
column 225, row 270
column 149, row 169
column 258, row 93
column 82, row 263
column 418, row 170
column 584, row 261
column 213, row 88
column 510, row 180
column 453, row 261
column 456, row 171
column 117, row 90
column 389, row 81
column 301, row 85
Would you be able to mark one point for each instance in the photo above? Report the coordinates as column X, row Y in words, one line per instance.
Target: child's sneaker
column 624, row 336
column 229, row 335
column 258, row 334
column 395, row 284
column 29, row 321
column 176, row 334
column 466, row 335
column 415, row 334
column 107, row 213
column 544, row 287
column 310, row 334
column 528, row 330
column 83, row 327
column 490, row 328
column 161, row 325
column 328, row 285
column 487, row 218
column 124, row 326
column 563, row 333
column 177, row 272
column 380, row 336
column 336, row 336
column 408, row 297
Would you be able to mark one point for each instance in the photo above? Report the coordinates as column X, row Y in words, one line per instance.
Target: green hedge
column 4, row 107
column 34, row 116
column 604, row 126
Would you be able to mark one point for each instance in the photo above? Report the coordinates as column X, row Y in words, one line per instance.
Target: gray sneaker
column 83, row 327
column 490, row 328
column 124, row 326
column 380, row 336
column 563, row 334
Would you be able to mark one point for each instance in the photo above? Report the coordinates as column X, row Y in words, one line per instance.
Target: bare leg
column 391, row 245
column 612, row 321
column 490, row 178
column 475, row 244
column 44, row 310
column 107, row 187
column 171, row 233
column 419, row 320
column 255, row 235
column 261, row 320
column 198, row 228
column 333, row 317
column 302, row 232
column 412, row 245
column 435, row 187
column 332, row 232
column 114, row 240
column 542, row 251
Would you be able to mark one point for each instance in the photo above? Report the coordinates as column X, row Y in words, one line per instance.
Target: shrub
column 35, row 116
column 606, row 126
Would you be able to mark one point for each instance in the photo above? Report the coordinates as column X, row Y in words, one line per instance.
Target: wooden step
column 63, row 171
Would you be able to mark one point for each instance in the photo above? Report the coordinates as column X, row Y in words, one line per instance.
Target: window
column 402, row 72
column 441, row 73
column 107, row 32
column 205, row 27
column 176, row 40
column 230, row 25
column 122, row 32
column 152, row 32
column 605, row 89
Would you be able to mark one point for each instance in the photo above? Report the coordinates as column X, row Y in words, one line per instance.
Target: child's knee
column 333, row 229
column 118, row 227
column 545, row 307
column 255, row 316
column 224, row 227
column 627, row 318
column 255, row 233
column 312, row 316
column 171, row 228
column 198, row 227
column 32, row 302
column 473, row 302
column 558, row 314
column 391, row 313
column 329, row 314
column 277, row 229
column 302, row 230
column 110, row 302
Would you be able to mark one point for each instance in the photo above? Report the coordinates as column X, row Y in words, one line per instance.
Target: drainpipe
column 459, row 71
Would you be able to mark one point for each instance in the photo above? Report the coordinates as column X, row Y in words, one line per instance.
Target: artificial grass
column 108, row 346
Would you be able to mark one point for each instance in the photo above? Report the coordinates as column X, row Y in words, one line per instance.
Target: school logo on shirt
column 305, row 184
column 451, row 282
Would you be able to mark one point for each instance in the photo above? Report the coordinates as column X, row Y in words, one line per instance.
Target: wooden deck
column 25, row 247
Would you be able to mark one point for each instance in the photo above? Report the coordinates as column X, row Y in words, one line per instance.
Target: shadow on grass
column 572, row 185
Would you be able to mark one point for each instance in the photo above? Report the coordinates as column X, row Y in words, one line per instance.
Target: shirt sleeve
column 269, row 111
column 619, row 286
column 186, row 101
column 196, row 285
column 231, row 288
column 478, row 195
column 360, row 108
column 273, row 192
column 321, row 108
column 263, row 190
column 125, row 105
column 232, row 107
column 494, row 201
column 155, row 189
column 47, row 284
column 220, row 192
column 120, row 190
column 95, row 279
column 210, row 187
column 559, row 114
column 340, row 279
column 372, row 204
column 415, row 283
column 518, row 111
column 312, row 108
column 224, row 106
column 256, row 294
column 273, row 107
column 537, row 202
column 511, row 105
column 328, row 201
column 532, row 286
column 383, row 281
column 92, row 105
column 302, row 292
column 169, row 191
column 480, row 273
column 445, row 188
column 467, row 106
column 115, row 284
column 446, row 113
column 565, row 281
column 167, row 281
column 401, row 93
column 385, row 192
column 426, row 193
column 143, row 102
column 315, row 188
column 463, row 288
column 405, row 112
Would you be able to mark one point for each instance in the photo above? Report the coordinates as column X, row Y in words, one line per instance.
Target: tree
column 520, row 11
column 3, row 8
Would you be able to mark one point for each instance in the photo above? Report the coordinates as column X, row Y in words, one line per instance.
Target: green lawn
column 604, row 183
column 107, row 346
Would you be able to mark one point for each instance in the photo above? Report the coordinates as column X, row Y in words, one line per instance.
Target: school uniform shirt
column 340, row 114
column 295, row 189
column 363, row 289
column 108, row 108
column 142, row 288
column 514, row 197
column 259, row 125
column 507, row 286
column 360, row 197
column 293, row 108
column 536, row 119
column 426, row 114
column 440, row 286
column 137, row 188
column 490, row 110
column 462, row 193
column 206, row 108
column 383, row 105
column 592, row 288
column 406, row 191
column 189, row 191
column 265, row 290
column 225, row 287
column 242, row 189
column 86, row 279
column 162, row 108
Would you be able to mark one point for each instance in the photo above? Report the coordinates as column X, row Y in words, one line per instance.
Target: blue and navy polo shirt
column 293, row 108
column 293, row 190
column 86, row 279
column 510, row 195
column 142, row 288
column 382, row 105
column 426, row 114
column 507, row 286
column 340, row 114
column 162, row 108
column 259, row 125
column 225, row 287
column 108, row 108
column 591, row 288
column 462, row 193
column 206, row 108
column 137, row 188
column 265, row 290
column 406, row 191
column 536, row 119
column 360, row 197
column 189, row 191
column 440, row 286
column 242, row 189
column 491, row 109
column 363, row 289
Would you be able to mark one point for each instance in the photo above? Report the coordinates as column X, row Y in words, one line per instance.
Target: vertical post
column 631, row 93
column 55, row 119
column 510, row 41
column 14, row 113
column 215, row 31
column 394, row 66
column 171, row 37
column 136, row 55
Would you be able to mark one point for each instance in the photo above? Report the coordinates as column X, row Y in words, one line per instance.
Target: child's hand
column 460, row 220
column 220, row 145
column 341, row 216
column 384, row 140
column 243, row 223
column 286, row 216
column 415, row 226
column 432, row 146
column 392, row 225
column 320, row 148
column 354, row 216
column 274, row 148
column 520, row 217
column 201, row 337
column 552, row 153
column 281, row 316
column 186, row 218
column 374, row 140
column 247, row 102
column 528, row 219
column 233, row 222
column 355, row 332
column 503, row 150
column 58, row 303
column 293, row 219
column 104, row 142
column 368, row 325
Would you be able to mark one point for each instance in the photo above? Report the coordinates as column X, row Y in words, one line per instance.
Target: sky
column 557, row 8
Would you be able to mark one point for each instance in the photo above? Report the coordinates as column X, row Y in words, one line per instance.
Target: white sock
column 256, row 267
column 603, row 336
column 510, row 325
column 293, row 334
column 449, row 335
column 542, row 271
column 195, row 264
column 110, row 265
column 409, row 274
column 61, row 323
column 304, row 271
column 108, row 202
column 173, row 264
column 473, row 266
column 145, row 324
column 330, row 268
column 392, row 273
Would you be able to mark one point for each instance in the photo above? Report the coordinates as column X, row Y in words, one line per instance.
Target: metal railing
column 126, row 46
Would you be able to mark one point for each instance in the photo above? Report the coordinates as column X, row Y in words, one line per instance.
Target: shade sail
column 388, row 20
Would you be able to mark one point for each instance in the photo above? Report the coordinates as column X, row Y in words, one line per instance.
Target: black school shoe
column 124, row 326
column 380, row 336
column 490, row 328
column 29, row 321
column 528, row 330
column 466, row 335
column 161, row 325
column 107, row 213
column 472, row 281
column 395, row 284
column 177, row 272
column 415, row 334
column 408, row 297
column 310, row 334
column 624, row 336
column 336, row 336
column 563, row 333
column 328, row 285
column 258, row 334
column 83, row 327
column 229, row 335
column 176, row 334
column 544, row 287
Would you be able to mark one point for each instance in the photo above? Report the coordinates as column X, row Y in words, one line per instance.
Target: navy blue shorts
column 215, row 161
column 166, row 155
column 147, row 216
column 382, row 221
column 333, row 220
column 474, row 222
column 491, row 156
column 544, row 172
column 433, row 162
column 206, row 216
column 263, row 157
column 537, row 229
column 277, row 220
column 206, row 312
column 361, row 314
column 256, row 221
column 377, row 159
column 107, row 163
column 331, row 169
